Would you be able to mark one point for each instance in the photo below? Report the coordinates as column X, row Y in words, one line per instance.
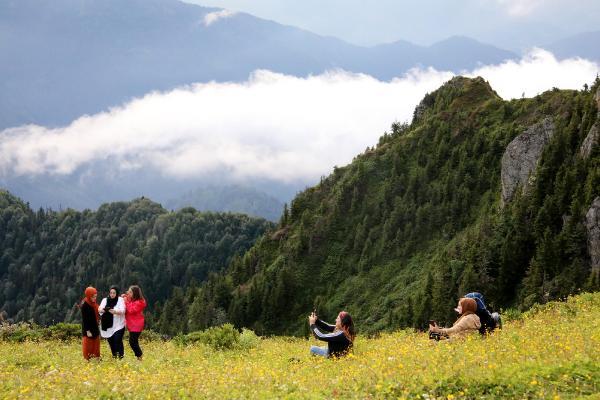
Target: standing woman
column 112, row 321
column 89, row 324
column 134, row 317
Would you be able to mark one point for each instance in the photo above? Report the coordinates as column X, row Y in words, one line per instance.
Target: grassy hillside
column 411, row 224
column 550, row 352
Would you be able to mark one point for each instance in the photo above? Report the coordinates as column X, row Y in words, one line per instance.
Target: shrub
column 224, row 337
column 248, row 339
column 153, row 336
column 63, row 331
column 511, row 314
column 20, row 332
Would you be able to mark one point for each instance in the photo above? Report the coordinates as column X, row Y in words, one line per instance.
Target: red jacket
column 134, row 314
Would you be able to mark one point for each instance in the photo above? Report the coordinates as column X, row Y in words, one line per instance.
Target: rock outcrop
column 521, row 158
column 592, row 223
column 597, row 98
column 460, row 91
column 590, row 141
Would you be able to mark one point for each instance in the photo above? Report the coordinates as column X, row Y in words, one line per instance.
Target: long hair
column 469, row 306
column 347, row 325
column 136, row 293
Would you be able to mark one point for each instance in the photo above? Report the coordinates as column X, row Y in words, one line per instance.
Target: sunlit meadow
column 550, row 352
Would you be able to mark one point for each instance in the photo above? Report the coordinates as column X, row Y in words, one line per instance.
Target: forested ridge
column 394, row 238
column 49, row 257
column 399, row 234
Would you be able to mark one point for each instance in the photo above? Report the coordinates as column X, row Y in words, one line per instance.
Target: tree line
column 49, row 257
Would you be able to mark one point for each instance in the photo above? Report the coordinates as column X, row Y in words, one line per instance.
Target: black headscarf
column 107, row 318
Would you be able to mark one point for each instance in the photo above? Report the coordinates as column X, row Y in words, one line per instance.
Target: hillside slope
column 48, row 257
column 400, row 233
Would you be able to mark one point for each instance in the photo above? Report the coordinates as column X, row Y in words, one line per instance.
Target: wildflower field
column 551, row 352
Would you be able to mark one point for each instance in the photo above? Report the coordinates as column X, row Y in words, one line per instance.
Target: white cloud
column 536, row 72
column 213, row 17
column 271, row 126
column 520, row 8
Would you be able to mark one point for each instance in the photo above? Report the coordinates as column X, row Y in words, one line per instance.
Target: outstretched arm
column 324, row 326
column 328, row 337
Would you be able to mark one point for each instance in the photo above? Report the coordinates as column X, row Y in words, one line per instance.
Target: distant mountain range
column 584, row 45
column 236, row 198
column 98, row 183
column 66, row 58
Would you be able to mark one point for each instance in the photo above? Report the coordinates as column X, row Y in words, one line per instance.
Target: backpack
column 489, row 321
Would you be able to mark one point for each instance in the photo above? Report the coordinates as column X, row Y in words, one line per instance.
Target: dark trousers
column 116, row 343
column 134, row 343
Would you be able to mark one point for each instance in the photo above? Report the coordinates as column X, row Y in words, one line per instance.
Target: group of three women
column 109, row 320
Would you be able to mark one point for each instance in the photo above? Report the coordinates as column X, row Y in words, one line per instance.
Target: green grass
column 551, row 352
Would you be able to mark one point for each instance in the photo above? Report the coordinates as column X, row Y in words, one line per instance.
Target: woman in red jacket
column 134, row 317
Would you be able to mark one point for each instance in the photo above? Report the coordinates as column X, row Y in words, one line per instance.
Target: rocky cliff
column 522, row 156
column 592, row 223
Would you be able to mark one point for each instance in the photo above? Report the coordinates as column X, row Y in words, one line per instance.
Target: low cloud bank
column 272, row 126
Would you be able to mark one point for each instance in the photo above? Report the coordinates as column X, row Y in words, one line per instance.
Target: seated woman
column 339, row 339
column 467, row 323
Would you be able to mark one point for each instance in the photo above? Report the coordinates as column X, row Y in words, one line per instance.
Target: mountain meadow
column 476, row 193
column 549, row 352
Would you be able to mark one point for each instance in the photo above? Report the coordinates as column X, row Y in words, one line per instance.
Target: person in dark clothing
column 112, row 321
column 89, row 324
column 340, row 337
column 489, row 321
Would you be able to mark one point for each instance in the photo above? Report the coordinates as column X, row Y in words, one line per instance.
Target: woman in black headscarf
column 112, row 321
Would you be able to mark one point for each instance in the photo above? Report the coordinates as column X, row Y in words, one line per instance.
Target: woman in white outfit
column 112, row 321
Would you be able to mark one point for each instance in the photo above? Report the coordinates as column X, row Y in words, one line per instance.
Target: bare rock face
column 590, row 141
column 592, row 223
column 521, row 158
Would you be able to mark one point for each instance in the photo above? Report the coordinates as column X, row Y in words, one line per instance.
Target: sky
column 272, row 126
column 511, row 24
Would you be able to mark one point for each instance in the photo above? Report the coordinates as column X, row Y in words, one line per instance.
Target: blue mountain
column 65, row 58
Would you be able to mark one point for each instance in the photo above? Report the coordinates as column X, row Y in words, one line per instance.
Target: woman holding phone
column 468, row 321
column 339, row 337
column 112, row 321
column 134, row 317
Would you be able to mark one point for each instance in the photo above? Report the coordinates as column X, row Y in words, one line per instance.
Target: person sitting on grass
column 340, row 337
column 467, row 322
